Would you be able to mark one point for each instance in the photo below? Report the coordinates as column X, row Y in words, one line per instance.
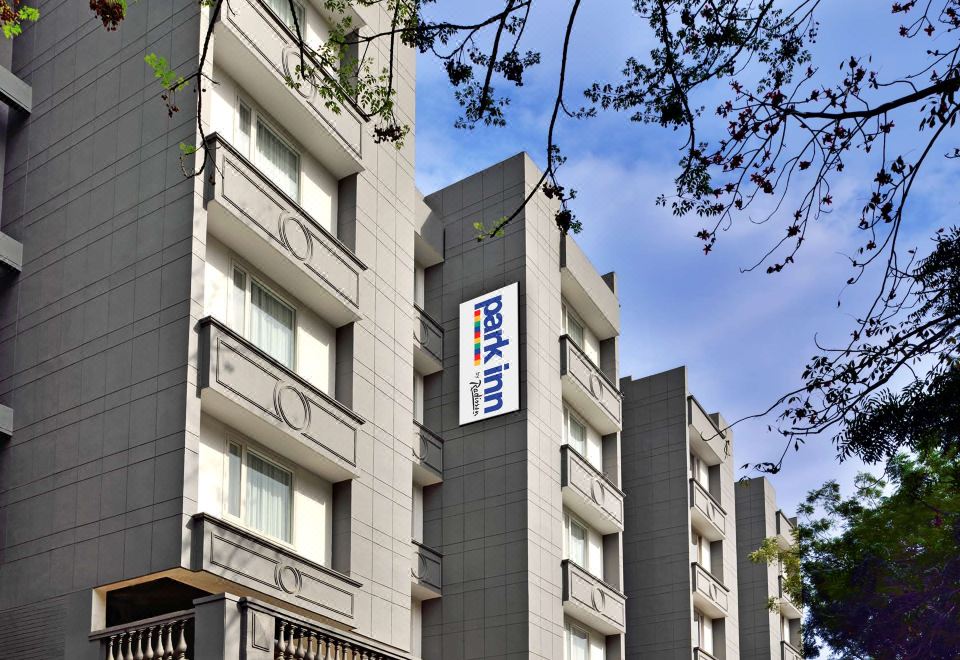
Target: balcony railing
column 593, row 601
column 248, row 212
column 787, row 652
column 788, row 608
column 426, row 571
column 705, row 436
column 707, row 514
column 162, row 637
column 700, row 654
column 244, row 557
column 709, row 594
column 589, row 389
column 589, row 493
column 261, row 54
column 428, row 342
column 785, row 530
column 250, row 390
column 428, row 456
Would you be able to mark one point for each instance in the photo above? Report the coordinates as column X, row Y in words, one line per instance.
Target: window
column 576, row 434
column 282, row 9
column 419, row 274
column 259, row 492
column 574, row 328
column 263, row 318
column 579, row 643
column 417, row 397
column 699, row 470
column 278, row 161
column 578, row 543
column 697, row 629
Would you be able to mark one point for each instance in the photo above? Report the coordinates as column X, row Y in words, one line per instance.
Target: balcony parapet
column 589, row 493
column 428, row 342
column 586, row 289
column 247, row 558
column 709, row 594
column 700, row 654
column 709, row 441
column 161, row 637
column 790, row 609
column 428, row 456
column 588, row 388
column 785, row 530
column 11, row 251
column 426, row 571
column 706, row 512
column 250, row 390
column 251, row 214
column 788, row 652
column 589, row 599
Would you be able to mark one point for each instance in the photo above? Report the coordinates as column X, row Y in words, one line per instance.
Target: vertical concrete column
column 217, row 629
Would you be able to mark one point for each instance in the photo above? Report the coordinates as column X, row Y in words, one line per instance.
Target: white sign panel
column 489, row 368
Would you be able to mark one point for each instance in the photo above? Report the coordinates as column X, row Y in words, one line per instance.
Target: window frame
column 245, row 322
column 301, row 18
column 247, row 448
column 582, row 633
column 572, row 417
column 568, row 315
column 571, row 521
column 251, row 152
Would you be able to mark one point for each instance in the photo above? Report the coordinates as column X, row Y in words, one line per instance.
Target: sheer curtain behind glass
column 279, row 163
column 579, row 644
column 268, row 498
column 282, row 9
column 271, row 325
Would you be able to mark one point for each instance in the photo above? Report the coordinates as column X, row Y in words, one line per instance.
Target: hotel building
column 680, row 539
column 230, row 402
column 765, row 631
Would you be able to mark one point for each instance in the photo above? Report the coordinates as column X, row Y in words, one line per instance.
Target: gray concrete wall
column 656, row 541
column 760, row 633
column 94, row 331
column 497, row 516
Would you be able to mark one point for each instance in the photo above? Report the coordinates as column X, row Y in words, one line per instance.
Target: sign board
column 489, row 368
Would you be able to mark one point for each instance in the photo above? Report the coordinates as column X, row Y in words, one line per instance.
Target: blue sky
column 744, row 336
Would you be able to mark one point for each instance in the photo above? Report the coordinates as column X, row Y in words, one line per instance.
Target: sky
column 745, row 337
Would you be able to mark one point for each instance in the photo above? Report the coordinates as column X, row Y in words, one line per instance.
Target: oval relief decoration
column 288, row 578
column 296, row 237
column 598, row 598
column 292, row 406
column 596, row 387
column 290, row 58
column 421, row 569
column 597, row 491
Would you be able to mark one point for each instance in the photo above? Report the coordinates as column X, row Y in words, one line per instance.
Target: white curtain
column 268, row 498
column 579, row 645
column 278, row 162
column 244, row 130
column 578, row 544
column 282, row 9
column 271, row 325
column 578, row 436
column 233, row 483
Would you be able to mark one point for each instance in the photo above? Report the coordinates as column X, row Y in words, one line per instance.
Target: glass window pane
column 282, row 9
column 575, row 330
column 244, row 128
column 268, row 498
column 278, row 161
column 579, row 644
column 578, row 436
column 271, row 325
column 578, row 543
column 234, row 457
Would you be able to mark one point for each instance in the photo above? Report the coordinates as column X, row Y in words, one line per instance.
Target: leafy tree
column 881, row 569
column 793, row 127
column 788, row 560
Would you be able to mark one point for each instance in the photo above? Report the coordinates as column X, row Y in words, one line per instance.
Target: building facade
column 680, row 539
column 229, row 423
column 765, row 631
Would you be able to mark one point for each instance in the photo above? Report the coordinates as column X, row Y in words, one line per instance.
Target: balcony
column 592, row 601
column 427, row 343
column 428, row 456
column 588, row 389
column 700, row 654
column 11, row 252
column 167, row 636
column 587, row 290
column 6, row 421
column 708, row 516
column 225, row 626
column 244, row 557
column 788, row 608
column 787, row 652
column 589, row 493
column 246, row 388
column 426, row 572
column 785, row 530
column 706, row 438
column 256, row 219
column 709, row 595
column 259, row 52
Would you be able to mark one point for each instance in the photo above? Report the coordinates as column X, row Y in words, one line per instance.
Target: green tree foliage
column 881, row 568
column 788, row 562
